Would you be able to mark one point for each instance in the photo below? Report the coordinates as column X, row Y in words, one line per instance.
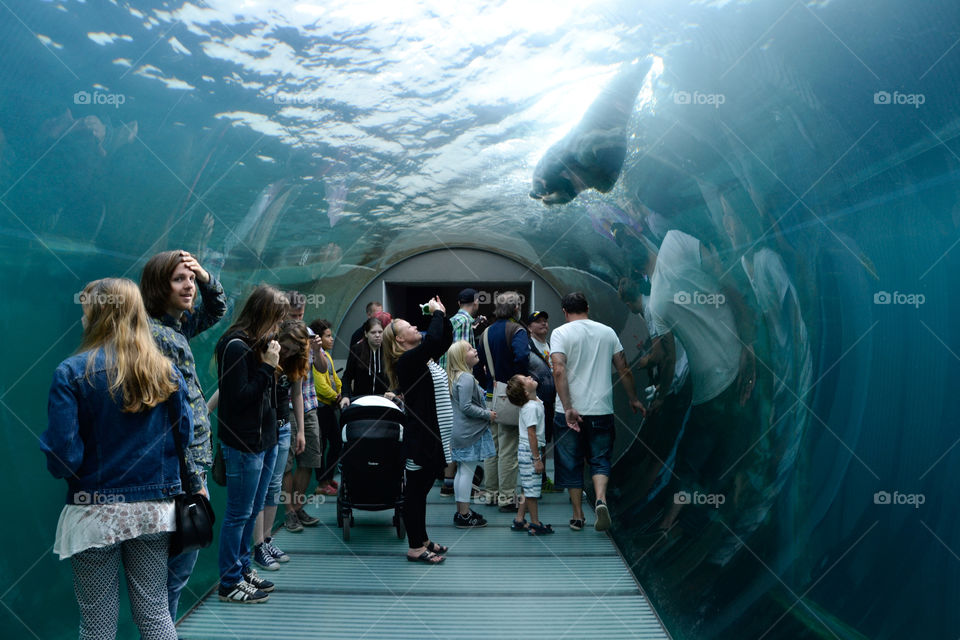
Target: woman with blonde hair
column 112, row 410
column 407, row 356
column 471, row 442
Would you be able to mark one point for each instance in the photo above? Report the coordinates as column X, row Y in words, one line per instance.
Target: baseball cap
column 536, row 315
column 467, row 295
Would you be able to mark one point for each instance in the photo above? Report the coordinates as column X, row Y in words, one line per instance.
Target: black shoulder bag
column 195, row 516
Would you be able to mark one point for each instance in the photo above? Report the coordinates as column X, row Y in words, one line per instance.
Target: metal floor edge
column 495, row 583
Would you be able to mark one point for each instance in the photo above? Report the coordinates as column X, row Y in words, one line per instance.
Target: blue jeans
column 248, row 475
column 179, row 569
column 283, row 448
column 594, row 441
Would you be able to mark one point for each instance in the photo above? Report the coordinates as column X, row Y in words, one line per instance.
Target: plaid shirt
column 310, row 401
column 172, row 335
column 462, row 323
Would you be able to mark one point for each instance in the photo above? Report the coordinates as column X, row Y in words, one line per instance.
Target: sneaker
column 446, row 491
column 334, row 484
column 243, row 591
column 306, row 519
column 603, row 516
column 469, row 521
column 292, row 522
column 264, row 558
column 576, row 524
column 508, row 507
column 326, row 490
column 275, row 551
column 256, row 581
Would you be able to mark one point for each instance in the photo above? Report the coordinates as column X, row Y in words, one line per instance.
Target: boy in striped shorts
column 522, row 392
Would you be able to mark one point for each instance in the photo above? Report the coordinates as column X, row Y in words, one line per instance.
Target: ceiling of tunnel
column 373, row 137
column 291, row 141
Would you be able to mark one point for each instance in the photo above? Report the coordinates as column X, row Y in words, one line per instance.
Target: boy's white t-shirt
column 589, row 347
column 531, row 413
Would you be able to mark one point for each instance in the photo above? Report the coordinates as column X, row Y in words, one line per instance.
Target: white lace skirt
column 101, row 525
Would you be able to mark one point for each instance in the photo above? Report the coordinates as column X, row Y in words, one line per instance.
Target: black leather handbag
column 195, row 516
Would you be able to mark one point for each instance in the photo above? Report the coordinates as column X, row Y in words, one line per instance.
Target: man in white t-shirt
column 584, row 356
column 691, row 297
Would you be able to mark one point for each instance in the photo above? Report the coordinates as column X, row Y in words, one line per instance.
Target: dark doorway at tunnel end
column 403, row 299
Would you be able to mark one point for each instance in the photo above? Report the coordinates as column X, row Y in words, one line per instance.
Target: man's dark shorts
column 593, row 443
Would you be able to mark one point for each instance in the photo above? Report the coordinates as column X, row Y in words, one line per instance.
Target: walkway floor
column 495, row 584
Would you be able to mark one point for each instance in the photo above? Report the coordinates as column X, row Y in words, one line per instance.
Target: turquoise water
column 312, row 145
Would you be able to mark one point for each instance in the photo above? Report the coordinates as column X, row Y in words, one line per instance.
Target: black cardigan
column 421, row 436
column 364, row 374
column 246, row 413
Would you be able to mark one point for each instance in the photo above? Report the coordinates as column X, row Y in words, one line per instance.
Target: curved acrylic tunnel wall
column 813, row 145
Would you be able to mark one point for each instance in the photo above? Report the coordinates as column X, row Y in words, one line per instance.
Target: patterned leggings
column 96, row 578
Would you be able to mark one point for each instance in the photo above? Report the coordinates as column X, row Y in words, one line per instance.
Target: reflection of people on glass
column 775, row 453
column 667, row 401
column 789, row 345
column 691, row 298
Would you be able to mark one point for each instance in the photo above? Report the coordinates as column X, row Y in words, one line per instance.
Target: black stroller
column 371, row 465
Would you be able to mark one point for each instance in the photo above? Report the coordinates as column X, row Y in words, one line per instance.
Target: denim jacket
column 105, row 454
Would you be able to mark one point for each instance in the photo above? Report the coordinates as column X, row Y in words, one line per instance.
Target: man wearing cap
column 464, row 319
column 542, row 371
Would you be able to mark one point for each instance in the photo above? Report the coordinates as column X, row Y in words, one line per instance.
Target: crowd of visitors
column 484, row 407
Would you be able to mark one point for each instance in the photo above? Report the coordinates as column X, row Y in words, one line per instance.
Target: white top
column 681, row 369
column 778, row 301
column 544, row 348
column 441, row 391
column 589, row 347
column 684, row 299
column 531, row 414
column 90, row 526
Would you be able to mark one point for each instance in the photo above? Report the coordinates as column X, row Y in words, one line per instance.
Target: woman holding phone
column 407, row 355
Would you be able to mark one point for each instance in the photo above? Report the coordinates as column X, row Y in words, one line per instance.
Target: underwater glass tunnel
column 376, row 150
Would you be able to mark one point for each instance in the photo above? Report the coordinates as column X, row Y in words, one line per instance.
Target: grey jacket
column 470, row 413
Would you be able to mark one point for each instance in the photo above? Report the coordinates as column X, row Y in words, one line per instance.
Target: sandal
column 519, row 525
column 576, row 524
column 539, row 529
column 433, row 547
column 427, row 556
